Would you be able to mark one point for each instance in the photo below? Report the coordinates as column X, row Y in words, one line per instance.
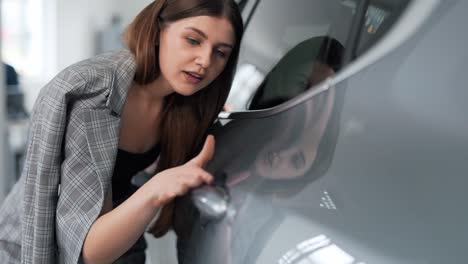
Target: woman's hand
column 168, row 184
column 136, row 212
column 139, row 209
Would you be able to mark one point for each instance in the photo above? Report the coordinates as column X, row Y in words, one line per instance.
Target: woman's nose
column 204, row 58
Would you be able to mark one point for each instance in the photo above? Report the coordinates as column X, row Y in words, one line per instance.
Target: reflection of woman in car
column 295, row 153
column 285, row 152
column 101, row 120
column 290, row 155
column 290, row 150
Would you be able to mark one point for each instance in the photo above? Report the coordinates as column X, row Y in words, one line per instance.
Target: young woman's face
column 194, row 51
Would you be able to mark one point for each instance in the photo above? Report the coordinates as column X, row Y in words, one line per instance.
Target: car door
column 328, row 155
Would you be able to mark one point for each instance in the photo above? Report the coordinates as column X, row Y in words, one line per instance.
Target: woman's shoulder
column 92, row 76
column 102, row 66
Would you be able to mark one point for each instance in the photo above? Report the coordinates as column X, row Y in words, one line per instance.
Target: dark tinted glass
column 288, row 47
column 304, row 31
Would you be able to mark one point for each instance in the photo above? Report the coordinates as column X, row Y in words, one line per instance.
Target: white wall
column 79, row 20
column 128, row 12
column 67, row 35
column 76, row 24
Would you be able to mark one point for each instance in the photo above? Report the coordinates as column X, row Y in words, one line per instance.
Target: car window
column 288, row 48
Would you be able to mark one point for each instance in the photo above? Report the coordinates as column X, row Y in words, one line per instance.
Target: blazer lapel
column 102, row 132
column 103, row 124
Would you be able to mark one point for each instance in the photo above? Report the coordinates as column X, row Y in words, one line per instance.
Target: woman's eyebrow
column 203, row 35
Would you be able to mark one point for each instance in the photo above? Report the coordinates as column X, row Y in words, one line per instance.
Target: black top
column 127, row 164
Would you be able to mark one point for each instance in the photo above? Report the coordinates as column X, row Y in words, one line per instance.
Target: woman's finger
column 206, row 154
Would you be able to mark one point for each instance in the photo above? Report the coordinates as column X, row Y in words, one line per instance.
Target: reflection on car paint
column 327, row 202
column 317, row 250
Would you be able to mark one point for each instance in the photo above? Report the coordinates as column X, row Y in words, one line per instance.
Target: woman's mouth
column 192, row 77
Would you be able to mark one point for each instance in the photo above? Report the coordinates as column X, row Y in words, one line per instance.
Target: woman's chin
column 186, row 91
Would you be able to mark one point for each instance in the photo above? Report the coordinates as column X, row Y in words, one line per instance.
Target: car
column 346, row 139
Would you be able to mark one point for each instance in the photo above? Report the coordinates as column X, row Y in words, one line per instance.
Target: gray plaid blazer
column 71, row 151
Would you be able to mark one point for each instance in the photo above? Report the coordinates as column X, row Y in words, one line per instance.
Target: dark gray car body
column 368, row 166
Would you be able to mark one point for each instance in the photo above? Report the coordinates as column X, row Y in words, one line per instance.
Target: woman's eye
column 192, row 41
column 298, row 160
column 221, row 53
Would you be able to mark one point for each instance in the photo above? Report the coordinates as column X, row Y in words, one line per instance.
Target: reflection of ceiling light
column 304, row 247
column 349, row 3
column 374, row 18
column 326, row 201
column 330, row 254
column 317, row 250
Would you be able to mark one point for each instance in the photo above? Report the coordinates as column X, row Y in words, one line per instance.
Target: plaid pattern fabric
column 10, row 238
column 69, row 162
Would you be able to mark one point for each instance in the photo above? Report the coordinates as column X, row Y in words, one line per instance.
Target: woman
column 102, row 120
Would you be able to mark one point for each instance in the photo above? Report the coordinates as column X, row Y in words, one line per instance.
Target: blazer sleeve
column 42, row 169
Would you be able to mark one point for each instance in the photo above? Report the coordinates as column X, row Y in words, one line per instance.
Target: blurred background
column 38, row 38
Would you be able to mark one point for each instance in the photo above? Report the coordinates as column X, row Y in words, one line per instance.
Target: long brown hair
column 185, row 119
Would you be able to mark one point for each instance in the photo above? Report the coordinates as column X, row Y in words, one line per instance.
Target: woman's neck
column 154, row 91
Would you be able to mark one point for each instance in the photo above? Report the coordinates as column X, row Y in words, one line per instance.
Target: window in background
column 26, row 44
